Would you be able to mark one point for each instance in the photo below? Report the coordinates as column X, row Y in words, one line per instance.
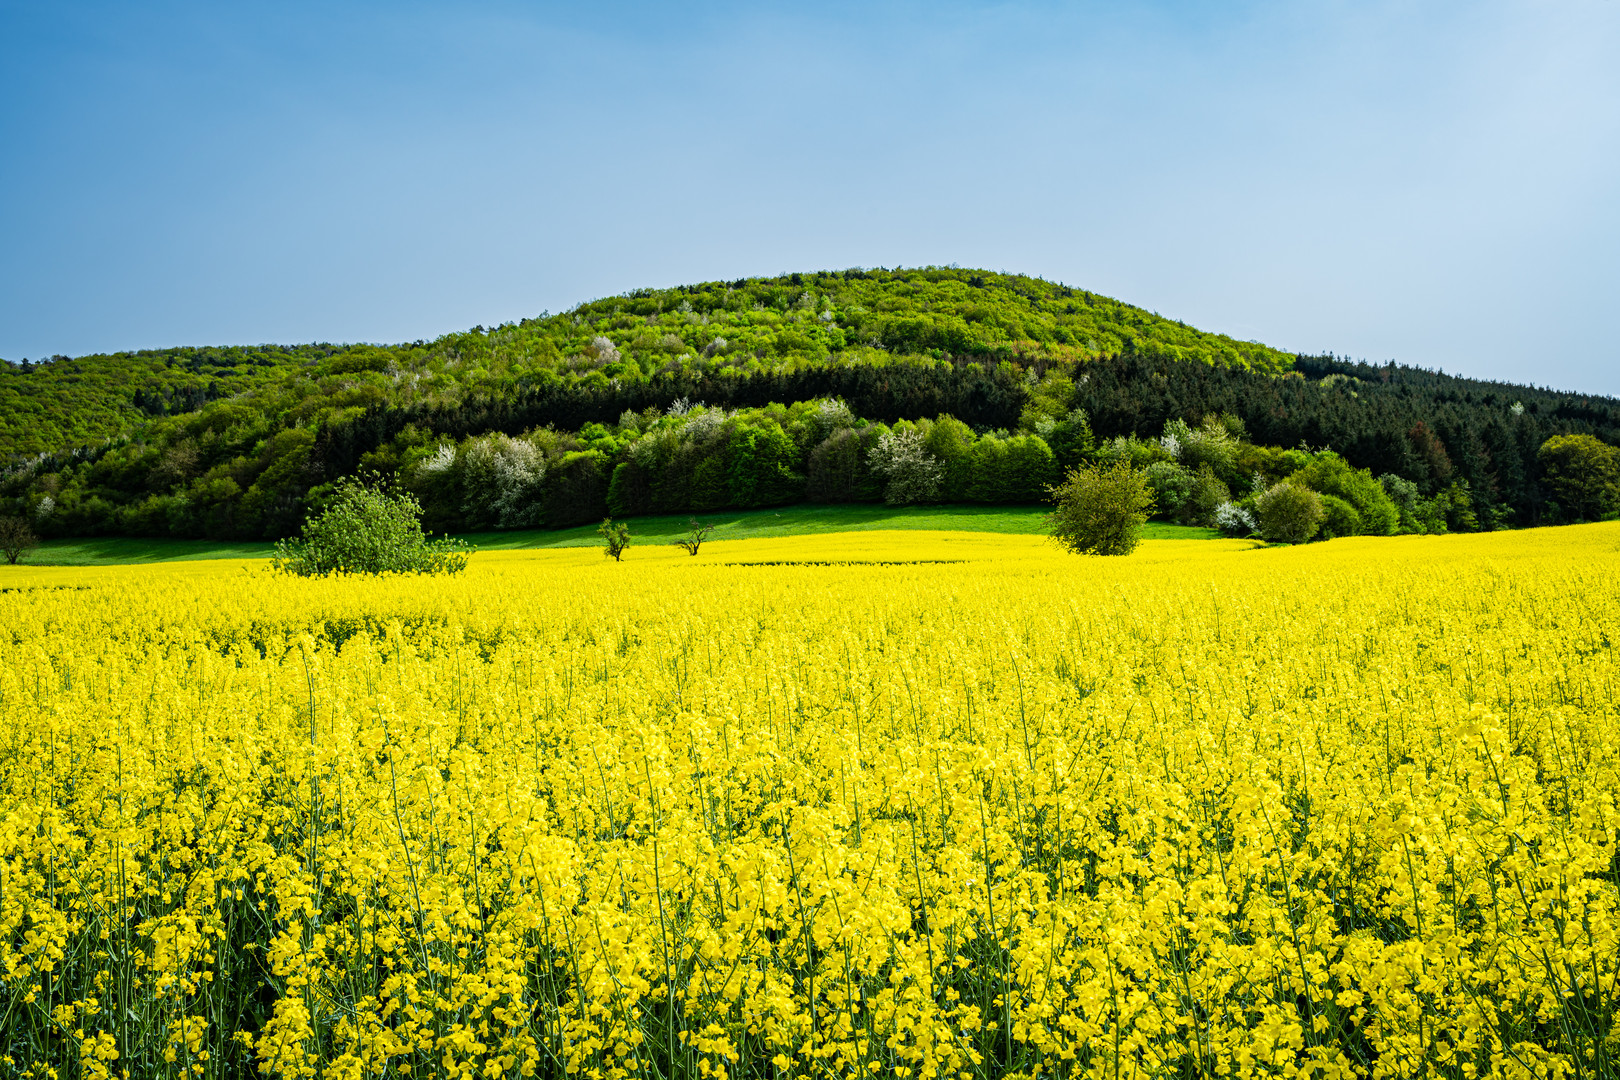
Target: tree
column 951, row 441
column 1582, row 473
column 617, row 538
column 695, row 535
column 1288, row 513
column 1071, row 439
column 1339, row 518
column 1100, row 509
column 366, row 528
column 913, row 474
column 16, row 539
column 1330, row 475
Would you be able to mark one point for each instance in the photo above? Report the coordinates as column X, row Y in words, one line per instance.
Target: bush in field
column 1288, row 513
column 366, row 528
column 1100, row 509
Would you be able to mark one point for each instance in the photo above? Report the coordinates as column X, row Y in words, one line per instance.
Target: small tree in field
column 695, row 535
column 1100, row 509
column 616, row 536
column 16, row 539
column 368, row 529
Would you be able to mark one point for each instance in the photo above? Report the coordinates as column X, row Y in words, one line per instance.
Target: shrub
column 1331, row 475
column 1100, row 509
column 366, row 528
column 1171, row 486
column 1339, row 518
column 1288, row 513
column 1208, row 494
column 1234, row 520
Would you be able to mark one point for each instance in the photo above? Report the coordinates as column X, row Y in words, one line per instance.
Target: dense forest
column 712, row 330
column 910, row 386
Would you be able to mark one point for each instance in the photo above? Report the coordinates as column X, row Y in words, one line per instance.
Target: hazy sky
column 1433, row 183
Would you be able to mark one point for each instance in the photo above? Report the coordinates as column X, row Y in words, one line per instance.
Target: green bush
column 366, row 528
column 1171, row 485
column 1100, row 509
column 1339, row 518
column 1289, row 513
column 1331, row 475
column 1207, row 495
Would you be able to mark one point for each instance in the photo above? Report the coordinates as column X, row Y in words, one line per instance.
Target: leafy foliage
column 1101, row 509
column 367, row 529
column 1583, row 474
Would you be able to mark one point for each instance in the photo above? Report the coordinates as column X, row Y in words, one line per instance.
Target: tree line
column 1444, row 452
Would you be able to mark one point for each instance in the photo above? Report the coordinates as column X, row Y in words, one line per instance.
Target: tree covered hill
column 715, row 330
column 974, row 386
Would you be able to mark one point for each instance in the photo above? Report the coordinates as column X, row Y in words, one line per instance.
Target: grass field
column 891, row 804
column 800, row 520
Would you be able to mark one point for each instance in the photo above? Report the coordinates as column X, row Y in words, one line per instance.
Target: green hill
column 765, row 392
column 744, row 327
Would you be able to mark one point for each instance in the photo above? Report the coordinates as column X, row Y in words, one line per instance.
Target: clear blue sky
column 1435, row 183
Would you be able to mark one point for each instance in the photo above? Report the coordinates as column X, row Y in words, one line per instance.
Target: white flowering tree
column 911, row 474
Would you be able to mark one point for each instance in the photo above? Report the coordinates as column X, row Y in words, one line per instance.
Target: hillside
column 982, row 388
column 744, row 327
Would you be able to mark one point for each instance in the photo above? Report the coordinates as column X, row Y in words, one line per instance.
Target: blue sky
column 1433, row 183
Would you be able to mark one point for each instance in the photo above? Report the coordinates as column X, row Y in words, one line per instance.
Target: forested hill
column 766, row 392
column 716, row 330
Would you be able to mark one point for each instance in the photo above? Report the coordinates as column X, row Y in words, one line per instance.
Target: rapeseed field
column 881, row 805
